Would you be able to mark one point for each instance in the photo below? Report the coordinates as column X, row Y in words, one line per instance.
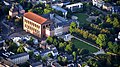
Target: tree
column 92, row 62
column 116, row 48
column 68, row 48
column 49, row 40
column 12, row 47
column 55, row 42
column 44, row 59
column 85, row 34
column 37, row 57
column 46, row 11
column 31, row 53
column 73, row 26
column 107, row 1
column 98, row 21
column 50, row 55
column 74, row 55
column 110, row 45
column 101, row 40
column 84, row 51
column 61, row 46
column 20, row 49
column 116, row 23
column 59, row 58
column 8, row 17
column 64, row 60
column 108, row 19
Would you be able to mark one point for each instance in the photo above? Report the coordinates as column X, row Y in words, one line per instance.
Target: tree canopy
column 101, row 40
column 73, row 26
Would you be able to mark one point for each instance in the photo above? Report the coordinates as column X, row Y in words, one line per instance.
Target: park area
column 80, row 44
column 82, row 17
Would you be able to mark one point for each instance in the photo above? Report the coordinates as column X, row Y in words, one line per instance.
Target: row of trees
column 103, row 61
column 114, row 47
column 115, row 22
column 86, row 34
column 94, row 26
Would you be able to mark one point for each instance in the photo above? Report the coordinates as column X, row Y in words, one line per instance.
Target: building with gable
column 35, row 24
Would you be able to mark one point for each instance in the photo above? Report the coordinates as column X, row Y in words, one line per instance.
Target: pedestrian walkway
column 85, row 42
column 101, row 51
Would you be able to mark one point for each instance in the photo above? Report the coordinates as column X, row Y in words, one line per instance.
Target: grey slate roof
column 19, row 55
column 36, row 64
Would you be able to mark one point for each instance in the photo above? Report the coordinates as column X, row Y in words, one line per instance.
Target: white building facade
column 19, row 58
column 98, row 3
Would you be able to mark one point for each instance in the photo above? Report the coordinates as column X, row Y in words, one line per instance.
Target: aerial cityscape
column 59, row 33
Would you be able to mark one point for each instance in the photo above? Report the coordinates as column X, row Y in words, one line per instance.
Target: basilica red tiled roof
column 34, row 17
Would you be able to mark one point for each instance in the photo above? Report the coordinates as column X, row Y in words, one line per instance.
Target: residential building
column 28, row 49
column 116, row 9
column 34, row 1
column 36, row 64
column 57, row 8
column 73, row 6
column 54, row 52
column 45, row 52
column 86, row 1
column 98, row 3
column 43, row 45
column 19, row 58
column 59, row 27
column 107, row 7
column 16, row 10
column 6, row 63
column 35, row 24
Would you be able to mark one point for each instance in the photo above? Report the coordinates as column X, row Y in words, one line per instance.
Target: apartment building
column 19, row 58
column 16, row 10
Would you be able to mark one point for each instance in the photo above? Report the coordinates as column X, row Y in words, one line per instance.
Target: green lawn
column 82, row 17
column 80, row 44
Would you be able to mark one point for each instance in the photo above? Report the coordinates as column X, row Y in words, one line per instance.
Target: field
column 80, row 44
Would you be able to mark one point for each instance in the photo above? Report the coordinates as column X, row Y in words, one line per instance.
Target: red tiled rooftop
column 34, row 17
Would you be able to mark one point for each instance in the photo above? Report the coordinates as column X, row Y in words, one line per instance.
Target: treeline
column 101, row 30
column 85, row 34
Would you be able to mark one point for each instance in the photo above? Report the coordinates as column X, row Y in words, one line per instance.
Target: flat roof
column 36, row 64
column 59, row 9
column 75, row 4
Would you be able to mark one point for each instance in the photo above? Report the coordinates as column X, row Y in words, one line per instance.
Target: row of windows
column 28, row 22
column 46, row 26
column 31, row 28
